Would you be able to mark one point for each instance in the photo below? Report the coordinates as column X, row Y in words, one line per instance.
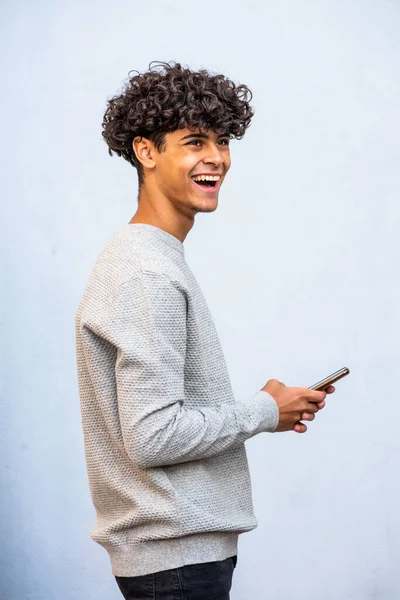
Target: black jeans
column 204, row 581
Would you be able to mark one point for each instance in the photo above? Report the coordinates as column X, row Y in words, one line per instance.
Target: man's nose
column 214, row 156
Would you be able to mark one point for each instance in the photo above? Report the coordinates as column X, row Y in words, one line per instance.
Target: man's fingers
column 307, row 416
column 330, row 389
column 314, row 396
column 300, row 428
column 321, row 404
column 310, row 408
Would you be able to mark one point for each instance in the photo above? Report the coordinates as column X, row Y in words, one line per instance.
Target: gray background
column 299, row 264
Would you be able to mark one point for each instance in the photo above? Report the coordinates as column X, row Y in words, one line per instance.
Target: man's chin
column 207, row 209
column 205, row 205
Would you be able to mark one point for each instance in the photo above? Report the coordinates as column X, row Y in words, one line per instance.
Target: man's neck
column 162, row 215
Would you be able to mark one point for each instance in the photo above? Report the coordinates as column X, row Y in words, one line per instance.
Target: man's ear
column 144, row 150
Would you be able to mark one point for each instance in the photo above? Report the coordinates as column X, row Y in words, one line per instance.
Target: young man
column 164, row 436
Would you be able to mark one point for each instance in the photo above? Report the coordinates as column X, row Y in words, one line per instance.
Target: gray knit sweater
column 164, row 436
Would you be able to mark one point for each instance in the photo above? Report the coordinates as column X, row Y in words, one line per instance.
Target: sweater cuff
column 269, row 411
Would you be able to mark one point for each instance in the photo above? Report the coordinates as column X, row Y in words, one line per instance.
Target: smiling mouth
column 207, row 184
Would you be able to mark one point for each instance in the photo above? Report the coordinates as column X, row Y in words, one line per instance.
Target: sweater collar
column 161, row 234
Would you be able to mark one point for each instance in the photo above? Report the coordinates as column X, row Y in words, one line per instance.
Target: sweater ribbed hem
column 159, row 555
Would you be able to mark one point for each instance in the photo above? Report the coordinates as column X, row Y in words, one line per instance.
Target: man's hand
column 296, row 404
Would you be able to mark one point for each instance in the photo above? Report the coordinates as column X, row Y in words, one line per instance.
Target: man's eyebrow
column 202, row 135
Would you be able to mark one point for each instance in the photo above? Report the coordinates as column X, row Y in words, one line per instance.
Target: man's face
column 189, row 157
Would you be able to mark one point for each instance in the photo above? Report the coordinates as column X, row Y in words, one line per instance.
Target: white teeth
column 207, row 178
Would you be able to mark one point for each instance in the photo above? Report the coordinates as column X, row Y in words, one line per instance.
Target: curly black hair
column 169, row 97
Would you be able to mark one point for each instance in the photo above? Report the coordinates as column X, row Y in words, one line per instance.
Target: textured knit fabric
column 164, row 436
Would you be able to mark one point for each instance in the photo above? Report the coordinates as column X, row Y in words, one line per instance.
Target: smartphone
column 324, row 383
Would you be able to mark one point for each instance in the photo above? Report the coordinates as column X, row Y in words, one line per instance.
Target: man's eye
column 195, row 142
column 224, row 142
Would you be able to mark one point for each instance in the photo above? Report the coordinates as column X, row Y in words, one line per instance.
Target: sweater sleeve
column 148, row 327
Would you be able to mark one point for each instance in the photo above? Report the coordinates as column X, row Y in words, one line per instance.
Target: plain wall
column 299, row 264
